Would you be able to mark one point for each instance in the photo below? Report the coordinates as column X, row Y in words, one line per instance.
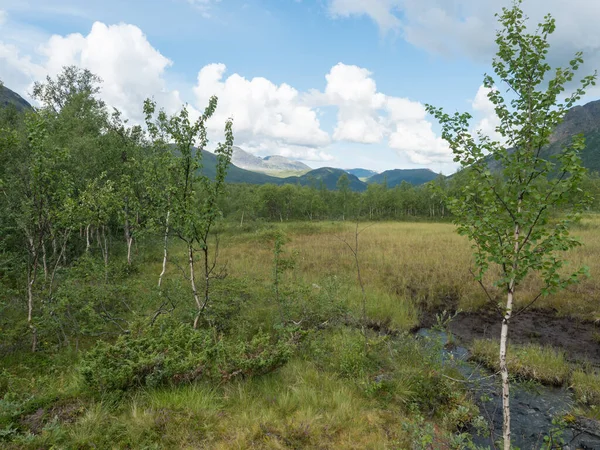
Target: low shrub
column 171, row 353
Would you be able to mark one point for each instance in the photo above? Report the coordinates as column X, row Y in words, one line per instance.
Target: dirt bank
column 580, row 340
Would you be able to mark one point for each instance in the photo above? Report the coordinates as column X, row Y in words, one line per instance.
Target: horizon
column 330, row 83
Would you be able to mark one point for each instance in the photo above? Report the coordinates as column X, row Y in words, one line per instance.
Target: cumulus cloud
column 261, row 110
column 367, row 116
column 488, row 120
column 268, row 117
column 130, row 67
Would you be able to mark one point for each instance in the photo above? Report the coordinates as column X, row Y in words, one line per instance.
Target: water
column 533, row 406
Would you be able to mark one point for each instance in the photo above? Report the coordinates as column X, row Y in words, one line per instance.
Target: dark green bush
column 161, row 354
column 170, row 353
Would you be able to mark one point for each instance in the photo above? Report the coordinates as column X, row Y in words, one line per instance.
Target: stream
column 533, row 406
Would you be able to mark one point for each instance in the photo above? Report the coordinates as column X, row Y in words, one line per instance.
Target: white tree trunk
column 193, row 283
column 504, row 372
column 87, row 238
column 129, row 244
column 164, row 264
column 503, row 342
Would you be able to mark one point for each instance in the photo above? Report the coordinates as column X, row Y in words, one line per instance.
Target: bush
column 173, row 353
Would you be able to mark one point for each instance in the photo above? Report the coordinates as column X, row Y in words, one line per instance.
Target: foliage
column 171, row 353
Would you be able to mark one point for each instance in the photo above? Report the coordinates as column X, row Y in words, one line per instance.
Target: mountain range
column 247, row 168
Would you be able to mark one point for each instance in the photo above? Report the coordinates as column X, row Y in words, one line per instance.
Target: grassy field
column 338, row 389
column 406, row 266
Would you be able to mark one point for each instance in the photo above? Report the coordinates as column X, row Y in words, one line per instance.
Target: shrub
column 173, row 353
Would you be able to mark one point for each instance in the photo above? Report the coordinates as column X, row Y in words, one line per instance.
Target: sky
column 339, row 83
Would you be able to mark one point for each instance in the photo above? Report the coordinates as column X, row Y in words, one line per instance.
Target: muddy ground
column 579, row 340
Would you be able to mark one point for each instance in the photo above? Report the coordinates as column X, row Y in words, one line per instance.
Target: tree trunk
column 87, row 238
column 206, row 275
column 31, row 275
column 193, row 283
column 129, row 244
column 129, row 239
column 44, row 263
column 503, row 342
column 164, row 265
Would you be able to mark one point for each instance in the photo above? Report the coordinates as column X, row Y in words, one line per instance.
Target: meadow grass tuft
column 530, row 361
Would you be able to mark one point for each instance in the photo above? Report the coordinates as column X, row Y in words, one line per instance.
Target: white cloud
column 261, row 110
column 18, row 71
column 3, row 17
column 467, row 27
column 381, row 11
column 367, row 116
column 488, row 120
column 131, row 69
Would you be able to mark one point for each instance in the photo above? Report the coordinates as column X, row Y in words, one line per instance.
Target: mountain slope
column 397, row 176
column 579, row 119
column 8, row 97
column 362, row 174
column 274, row 164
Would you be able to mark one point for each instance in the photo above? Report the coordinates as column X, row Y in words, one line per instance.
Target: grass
column 532, row 362
column 336, row 392
column 424, row 264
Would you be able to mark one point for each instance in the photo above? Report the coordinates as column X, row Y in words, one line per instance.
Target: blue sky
column 331, row 82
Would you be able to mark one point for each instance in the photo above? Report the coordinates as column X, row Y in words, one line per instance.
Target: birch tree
column 192, row 201
column 507, row 215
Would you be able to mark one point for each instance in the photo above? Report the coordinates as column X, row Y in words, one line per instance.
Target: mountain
column 362, row 174
column 277, row 162
column 578, row 120
column 8, row 97
column 274, row 165
column 234, row 174
column 397, row 176
column 327, row 176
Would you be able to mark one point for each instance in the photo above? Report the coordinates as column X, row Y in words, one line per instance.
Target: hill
column 362, row 174
column 328, row 177
column 397, row 176
column 8, row 97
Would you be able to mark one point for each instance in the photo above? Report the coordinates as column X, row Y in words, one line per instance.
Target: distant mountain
column 397, row 176
column 277, row 162
column 8, row 97
column 362, row 174
column 325, row 176
column 328, row 177
column 275, row 165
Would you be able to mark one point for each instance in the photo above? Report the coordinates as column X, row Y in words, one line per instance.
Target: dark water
column 533, row 406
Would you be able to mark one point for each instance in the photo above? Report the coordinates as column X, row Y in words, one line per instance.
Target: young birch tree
column 192, row 201
column 507, row 215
